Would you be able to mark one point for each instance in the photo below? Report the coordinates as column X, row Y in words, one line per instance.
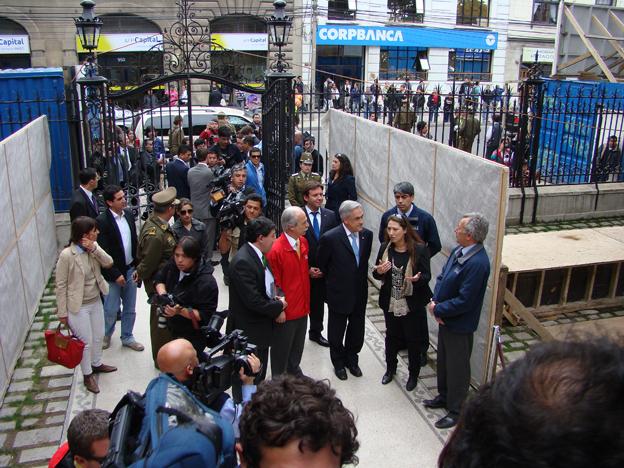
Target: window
column 398, row 63
column 604, row 2
column 545, row 12
column 406, row 11
column 474, row 64
column 341, row 9
column 473, row 12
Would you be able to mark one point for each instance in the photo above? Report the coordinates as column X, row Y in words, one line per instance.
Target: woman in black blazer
column 402, row 265
column 341, row 185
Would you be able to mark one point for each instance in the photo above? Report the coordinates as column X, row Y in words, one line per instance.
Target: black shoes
column 412, row 381
column 318, row 339
column 436, row 403
column 387, row 378
column 447, row 421
column 341, row 373
column 355, row 370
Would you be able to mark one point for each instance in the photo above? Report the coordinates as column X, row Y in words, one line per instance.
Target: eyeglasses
column 100, row 460
column 255, row 156
column 183, row 212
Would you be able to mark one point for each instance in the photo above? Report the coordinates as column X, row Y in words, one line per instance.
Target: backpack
column 168, row 427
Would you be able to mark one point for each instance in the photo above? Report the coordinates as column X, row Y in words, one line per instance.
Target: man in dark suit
column 118, row 238
column 343, row 259
column 127, row 161
column 254, row 304
column 320, row 220
column 456, row 306
column 83, row 201
column 177, row 172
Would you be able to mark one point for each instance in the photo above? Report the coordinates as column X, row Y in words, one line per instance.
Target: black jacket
column 421, row 294
column 110, row 240
column 198, row 290
column 81, row 206
column 339, row 191
column 231, row 155
column 177, row 172
column 251, row 310
column 346, row 281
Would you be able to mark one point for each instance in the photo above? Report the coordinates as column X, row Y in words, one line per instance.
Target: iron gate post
column 278, row 108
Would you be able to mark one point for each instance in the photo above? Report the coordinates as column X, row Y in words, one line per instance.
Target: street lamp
column 279, row 30
column 88, row 26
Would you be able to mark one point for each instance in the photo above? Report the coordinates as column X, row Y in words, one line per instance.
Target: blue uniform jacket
column 460, row 288
column 424, row 224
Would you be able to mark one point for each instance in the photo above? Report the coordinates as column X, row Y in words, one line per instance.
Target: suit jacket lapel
column 347, row 241
column 111, row 219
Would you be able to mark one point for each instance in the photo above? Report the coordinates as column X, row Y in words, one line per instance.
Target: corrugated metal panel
column 26, row 94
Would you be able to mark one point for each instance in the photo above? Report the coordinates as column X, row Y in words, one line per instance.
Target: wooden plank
column 531, row 321
column 574, row 61
column 612, row 40
column 500, row 295
column 590, row 47
column 618, row 22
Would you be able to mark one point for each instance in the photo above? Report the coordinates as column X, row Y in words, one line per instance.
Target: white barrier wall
column 447, row 182
column 27, row 236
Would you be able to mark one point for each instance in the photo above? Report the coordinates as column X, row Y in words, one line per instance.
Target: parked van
column 161, row 118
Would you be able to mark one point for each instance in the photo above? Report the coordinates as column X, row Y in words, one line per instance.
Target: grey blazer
column 198, row 178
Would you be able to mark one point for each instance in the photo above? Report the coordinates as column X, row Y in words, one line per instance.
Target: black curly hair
column 297, row 408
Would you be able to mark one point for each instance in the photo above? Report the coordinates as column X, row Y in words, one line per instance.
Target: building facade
column 42, row 34
column 439, row 41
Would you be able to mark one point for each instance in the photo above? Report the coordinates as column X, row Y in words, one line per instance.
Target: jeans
column 118, row 295
column 88, row 325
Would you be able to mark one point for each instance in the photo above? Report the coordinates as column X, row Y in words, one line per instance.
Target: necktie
column 356, row 249
column 126, row 159
column 264, row 262
column 297, row 248
column 315, row 224
column 94, row 201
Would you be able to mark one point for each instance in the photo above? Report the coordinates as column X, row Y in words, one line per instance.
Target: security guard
column 297, row 182
column 156, row 244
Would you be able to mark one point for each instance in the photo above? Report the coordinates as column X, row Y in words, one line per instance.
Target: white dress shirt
column 311, row 216
column 126, row 237
column 269, row 280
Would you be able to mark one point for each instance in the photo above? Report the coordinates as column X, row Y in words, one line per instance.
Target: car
column 161, row 118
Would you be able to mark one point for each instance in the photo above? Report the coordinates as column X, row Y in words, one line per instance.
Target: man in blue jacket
column 255, row 173
column 456, row 306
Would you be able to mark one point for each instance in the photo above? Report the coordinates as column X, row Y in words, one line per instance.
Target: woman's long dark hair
column 79, row 227
column 345, row 167
column 411, row 236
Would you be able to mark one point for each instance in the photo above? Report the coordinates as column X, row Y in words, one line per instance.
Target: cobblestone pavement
column 565, row 225
column 33, row 413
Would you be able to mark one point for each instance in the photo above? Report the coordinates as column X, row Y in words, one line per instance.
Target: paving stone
column 55, row 406
column 40, row 435
column 23, row 373
column 605, row 315
column 29, row 422
column 27, row 353
column 522, row 336
column 55, row 371
column 8, row 411
column 14, row 397
column 7, row 426
column 564, row 320
column 56, row 419
column 514, row 355
column 3, row 437
column 31, row 410
column 51, row 395
column 6, row 460
column 517, row 344
column 37, row 326
column 61, row 382
column 30, row 362
column 35, row 454
column 619, row 313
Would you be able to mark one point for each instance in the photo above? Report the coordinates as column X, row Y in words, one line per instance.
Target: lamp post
column 88, row 27
column 279, row 29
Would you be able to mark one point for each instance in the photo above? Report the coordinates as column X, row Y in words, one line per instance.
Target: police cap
column 166, row 197
column 306, row 158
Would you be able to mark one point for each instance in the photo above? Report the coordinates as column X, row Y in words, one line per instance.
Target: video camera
column 227, row 207
column 161, row 301
column 216, row 374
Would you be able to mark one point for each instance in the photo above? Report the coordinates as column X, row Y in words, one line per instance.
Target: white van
column 161, row 118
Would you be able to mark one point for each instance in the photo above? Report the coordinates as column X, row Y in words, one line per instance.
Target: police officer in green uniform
column 156, row 244
column 297, row 182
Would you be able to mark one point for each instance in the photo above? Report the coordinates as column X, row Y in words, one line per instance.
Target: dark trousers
column 454, row 351
column 345, row 333
column 405, row 330
column 287, row 346
column 158, row 336
column 317, row 306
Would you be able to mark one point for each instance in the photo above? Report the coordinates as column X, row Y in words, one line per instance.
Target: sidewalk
column 394, row 429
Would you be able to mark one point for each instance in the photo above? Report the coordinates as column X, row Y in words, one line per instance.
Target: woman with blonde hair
column 79, row 283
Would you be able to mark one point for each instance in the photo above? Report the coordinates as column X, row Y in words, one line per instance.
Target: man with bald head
column 179, row 359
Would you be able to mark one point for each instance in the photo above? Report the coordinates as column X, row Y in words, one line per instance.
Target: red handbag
column 65, row 350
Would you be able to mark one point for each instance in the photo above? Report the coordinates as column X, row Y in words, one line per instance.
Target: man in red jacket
column 288, row 259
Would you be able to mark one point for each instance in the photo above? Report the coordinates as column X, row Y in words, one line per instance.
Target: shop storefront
column 397, row 53
column 14, row 45
column 544, row 56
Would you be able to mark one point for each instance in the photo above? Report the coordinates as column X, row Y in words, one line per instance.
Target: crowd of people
column 277, row 289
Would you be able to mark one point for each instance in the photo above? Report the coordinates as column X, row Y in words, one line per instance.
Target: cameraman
column 229, row 154
column 178, row 358
column 189, row 279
